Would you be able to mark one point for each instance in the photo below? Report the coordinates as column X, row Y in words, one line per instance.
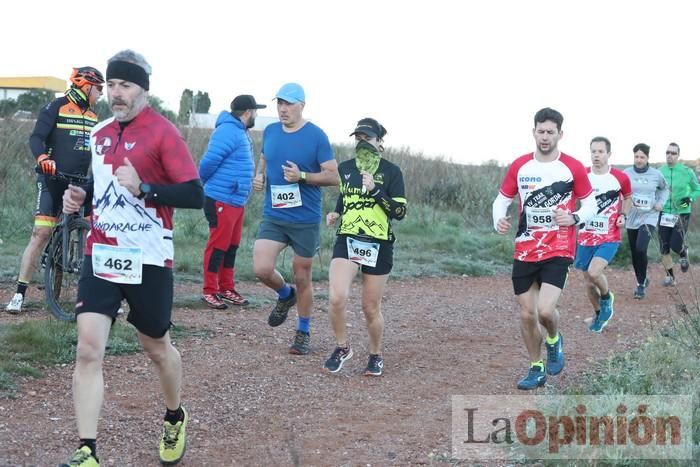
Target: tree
column 34, row 99
column 202, row 102
column 183, row 115
column 7, row 108
column 159, row 106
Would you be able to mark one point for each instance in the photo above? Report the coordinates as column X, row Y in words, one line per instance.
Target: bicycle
column 63, row 256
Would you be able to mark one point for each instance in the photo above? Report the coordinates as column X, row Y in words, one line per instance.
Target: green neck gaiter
column 367, row 157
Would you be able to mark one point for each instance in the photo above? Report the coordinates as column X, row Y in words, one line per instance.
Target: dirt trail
column 251, row 403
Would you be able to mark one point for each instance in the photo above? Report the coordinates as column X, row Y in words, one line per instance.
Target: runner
column 129, row 250
column 59, row 142
column 600, row 237
column 675, row 217
column 296, row 160
column 548, row 183
column 649, row 193
column 371, row 194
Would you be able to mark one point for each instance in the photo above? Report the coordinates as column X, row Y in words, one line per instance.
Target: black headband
column 128, row 72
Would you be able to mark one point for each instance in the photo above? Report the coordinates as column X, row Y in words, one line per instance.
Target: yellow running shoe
column 82, row 458
column 174, row 442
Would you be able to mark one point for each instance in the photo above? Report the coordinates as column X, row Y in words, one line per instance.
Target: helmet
column 86, row 75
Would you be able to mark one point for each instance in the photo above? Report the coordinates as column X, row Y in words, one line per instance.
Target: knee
column 157, row 353
column 371, row 310
column 40, row 236
column 302, row 275
column 546, row 313
column 337, row 298
column 88, row 352
column 528, row 315
column 261, row 270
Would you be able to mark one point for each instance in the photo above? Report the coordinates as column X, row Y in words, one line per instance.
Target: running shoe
column 15, row 305
column 536, row 377
column 233, row 297
column 685, row 265
column 279, row 313
column 606, row 313
column 82, row 458
column 301, row 344
column 375, row 365
column 212, row 301
column 174, row 441
column 555, row 356
column 337, row 358
column 669, row 281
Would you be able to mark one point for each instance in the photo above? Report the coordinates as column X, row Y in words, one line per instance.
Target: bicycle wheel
column 61, row 285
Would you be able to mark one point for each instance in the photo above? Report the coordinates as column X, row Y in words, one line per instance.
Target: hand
column 128, row 177
column 367, row 181
column 73, row 198
column 331, row 217
column 503, row 225
column 621, row 219
column 685, row 202
column 658, row 207
column 563, row 218
column 291, row 172
column 46, row 164
column 259, row 182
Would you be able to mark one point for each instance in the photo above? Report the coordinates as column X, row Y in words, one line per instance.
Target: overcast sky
column 455, row 79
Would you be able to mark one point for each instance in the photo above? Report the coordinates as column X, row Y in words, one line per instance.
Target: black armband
column 179, row 195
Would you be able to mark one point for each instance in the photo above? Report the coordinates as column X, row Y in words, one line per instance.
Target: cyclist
column 371, row 194
column 548, row 183
column 59, row 142
column 675, row 217
column 649, row 194
column 600, row 238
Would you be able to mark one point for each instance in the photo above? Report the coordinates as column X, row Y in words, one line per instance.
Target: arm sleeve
column 220, row 146
column 694, row 186
column 499, row 209
column 45, row 123
column 179, row 195
column 393, row 200
column 339, row 204
column 588, row 209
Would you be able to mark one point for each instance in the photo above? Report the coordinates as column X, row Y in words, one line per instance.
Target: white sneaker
column 15, row 305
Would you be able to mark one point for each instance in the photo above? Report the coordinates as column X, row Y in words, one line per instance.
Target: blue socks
column 284, row 292
column 304, row 324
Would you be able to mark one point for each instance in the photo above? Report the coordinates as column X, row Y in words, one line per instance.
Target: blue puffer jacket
column 227, row 167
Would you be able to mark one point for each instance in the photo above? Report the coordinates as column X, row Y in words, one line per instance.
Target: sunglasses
column 671, row 153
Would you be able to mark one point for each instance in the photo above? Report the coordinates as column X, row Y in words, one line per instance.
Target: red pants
column 225, row 227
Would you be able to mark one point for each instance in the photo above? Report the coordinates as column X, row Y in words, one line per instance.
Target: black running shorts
column 385, row 259
column 150, row 302
column 553, row 271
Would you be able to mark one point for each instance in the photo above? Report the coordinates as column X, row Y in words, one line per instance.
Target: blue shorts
column 584, row 254
column 303, row 238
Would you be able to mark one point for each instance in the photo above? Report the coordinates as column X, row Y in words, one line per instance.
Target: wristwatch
column 145, row 190
column 302, row 177
column 577, row 220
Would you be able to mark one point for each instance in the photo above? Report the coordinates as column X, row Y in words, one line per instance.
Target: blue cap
column 292, row 93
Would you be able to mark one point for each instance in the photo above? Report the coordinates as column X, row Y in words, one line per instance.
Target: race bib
column 668, row 220
column 285, row 196
column 363, row 253
column 599, row 224
column 643, row 201
column 122, row 265
column 542, row 218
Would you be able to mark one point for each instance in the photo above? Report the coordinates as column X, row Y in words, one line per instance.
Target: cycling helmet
column 86, row 75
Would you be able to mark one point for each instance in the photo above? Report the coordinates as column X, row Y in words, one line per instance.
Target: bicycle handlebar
column 74, row 179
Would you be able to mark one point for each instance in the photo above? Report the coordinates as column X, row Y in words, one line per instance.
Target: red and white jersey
column 160, row 156
column 609, row 189
column 543, row 187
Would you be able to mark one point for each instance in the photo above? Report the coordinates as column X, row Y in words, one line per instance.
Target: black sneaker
column 685, row 265
column 640, row 292
column 337, row 358
column 301, row 344
column 375, row 365
column 279, row 313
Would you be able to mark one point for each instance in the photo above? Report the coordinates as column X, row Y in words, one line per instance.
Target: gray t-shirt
column 648, row 189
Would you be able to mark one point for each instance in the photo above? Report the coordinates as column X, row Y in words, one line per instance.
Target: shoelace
column 171, row 434
column 338, row 352
column 552, row 351
column 79, row 457
column 300, row 338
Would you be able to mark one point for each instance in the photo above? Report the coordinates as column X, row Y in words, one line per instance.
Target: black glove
column 685, row 202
